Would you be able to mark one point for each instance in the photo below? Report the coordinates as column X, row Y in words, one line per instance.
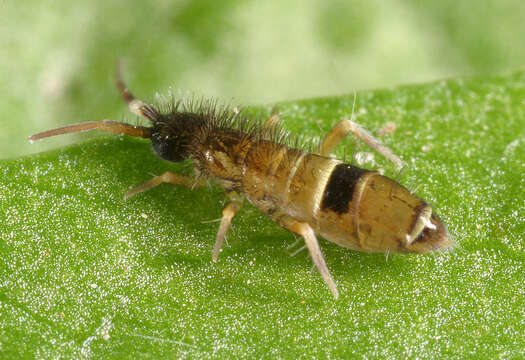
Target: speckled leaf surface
column 87, row 274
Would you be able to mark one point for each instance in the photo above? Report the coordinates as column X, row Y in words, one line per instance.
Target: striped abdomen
column 349, row 206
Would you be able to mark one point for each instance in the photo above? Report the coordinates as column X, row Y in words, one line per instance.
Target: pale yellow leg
column 306, row 231
column 167, row 177
column 228, row 212
column 343, row 128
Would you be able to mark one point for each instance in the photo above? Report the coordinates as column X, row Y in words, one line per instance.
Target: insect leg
column 167, row 177
column 343, row 128
column 306, row 231
column 228, row 212
column 273, row 120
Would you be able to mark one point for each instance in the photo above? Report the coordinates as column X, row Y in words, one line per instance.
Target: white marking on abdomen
column 321, row 185
column 291, row 176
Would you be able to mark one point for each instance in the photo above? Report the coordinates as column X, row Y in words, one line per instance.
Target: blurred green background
column 57, row 58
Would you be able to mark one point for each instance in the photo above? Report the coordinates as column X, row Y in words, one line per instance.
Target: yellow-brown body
column 352, row 207
column 304, row 192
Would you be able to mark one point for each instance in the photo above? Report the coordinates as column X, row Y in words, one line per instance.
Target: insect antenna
column 135, row 105
column 110, row 126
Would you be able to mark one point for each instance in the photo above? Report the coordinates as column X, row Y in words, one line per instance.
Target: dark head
column 171, row 132
column 171, row 136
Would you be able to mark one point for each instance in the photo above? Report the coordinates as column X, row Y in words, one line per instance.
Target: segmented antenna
column 135, row 105
column 110, row 126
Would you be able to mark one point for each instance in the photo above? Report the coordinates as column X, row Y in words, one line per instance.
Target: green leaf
column 84, row 273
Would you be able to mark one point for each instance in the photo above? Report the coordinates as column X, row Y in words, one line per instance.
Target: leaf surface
column 84, row 273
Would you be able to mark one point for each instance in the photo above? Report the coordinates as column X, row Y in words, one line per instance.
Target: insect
column 307, row 193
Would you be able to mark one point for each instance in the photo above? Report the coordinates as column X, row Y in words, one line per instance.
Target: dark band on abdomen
column 340, row 188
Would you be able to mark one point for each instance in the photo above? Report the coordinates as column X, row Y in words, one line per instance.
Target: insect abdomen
column 365, row 211
column 352, row 207
column 278, row 179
